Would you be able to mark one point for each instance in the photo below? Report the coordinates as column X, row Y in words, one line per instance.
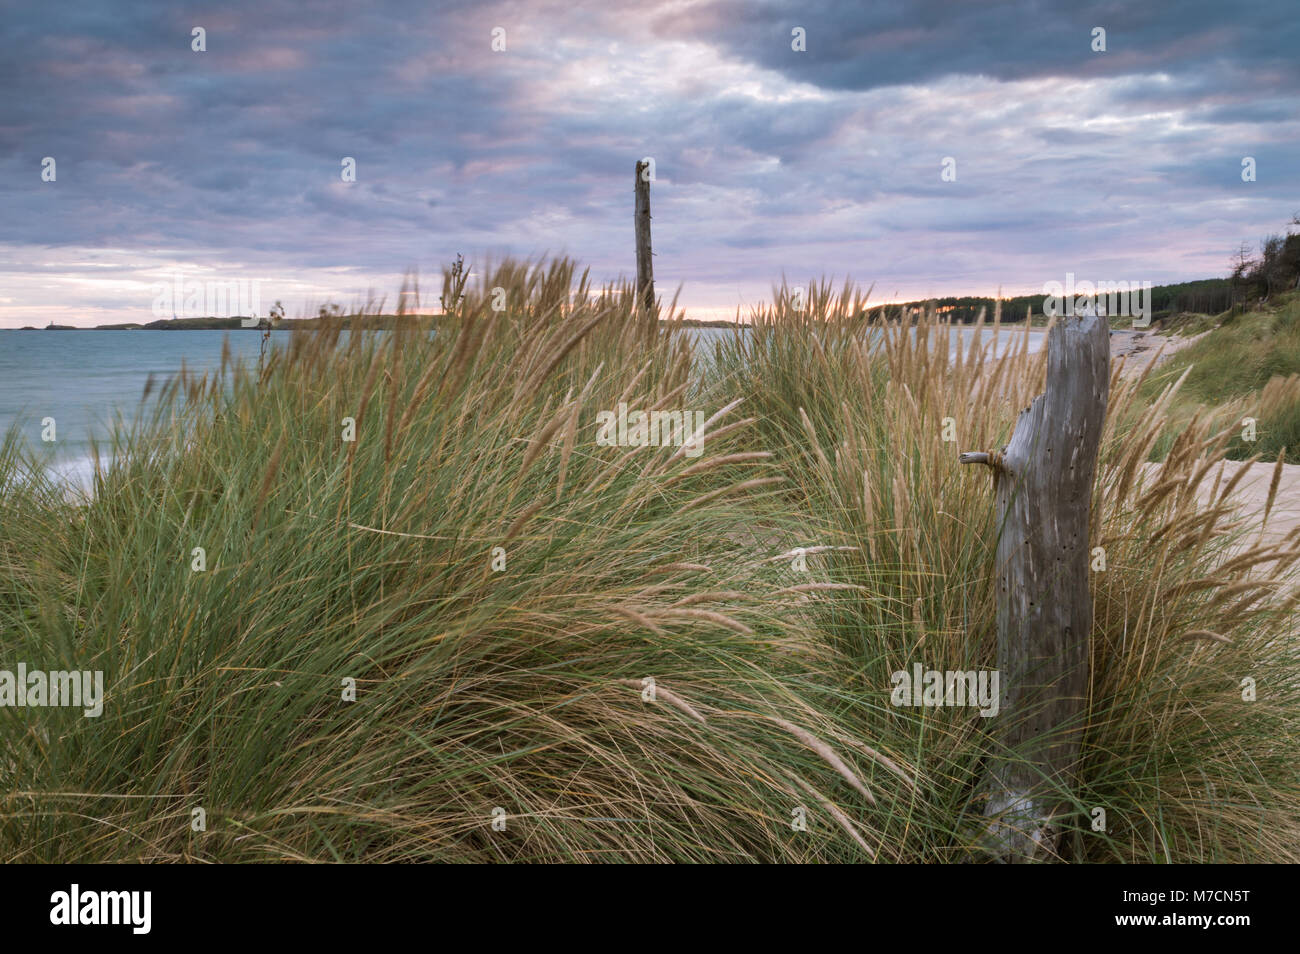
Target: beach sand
column 1251, row 495
column 1139, row 348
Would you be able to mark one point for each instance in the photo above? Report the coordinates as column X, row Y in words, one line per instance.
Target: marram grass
column 568, row 651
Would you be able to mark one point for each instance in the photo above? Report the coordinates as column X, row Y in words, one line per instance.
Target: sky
column 920, row 148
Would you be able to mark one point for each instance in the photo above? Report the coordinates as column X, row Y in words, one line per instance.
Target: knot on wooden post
column 989, row 458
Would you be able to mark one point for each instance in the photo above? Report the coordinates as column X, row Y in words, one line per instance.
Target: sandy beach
column 1140, row 348
column 1250, row 496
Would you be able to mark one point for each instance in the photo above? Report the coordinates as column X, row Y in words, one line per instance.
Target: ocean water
column 82, row 379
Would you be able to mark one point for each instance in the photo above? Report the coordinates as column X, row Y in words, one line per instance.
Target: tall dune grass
column 521, row 696
column 1185, row 609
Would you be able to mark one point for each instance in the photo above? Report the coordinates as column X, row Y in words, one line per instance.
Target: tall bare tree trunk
column 645, row 275
column 1044, row 480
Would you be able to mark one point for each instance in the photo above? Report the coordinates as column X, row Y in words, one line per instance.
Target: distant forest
column 1207, row 295
column 1255, row 274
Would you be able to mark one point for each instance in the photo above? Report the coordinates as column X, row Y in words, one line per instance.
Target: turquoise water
column 82, row 378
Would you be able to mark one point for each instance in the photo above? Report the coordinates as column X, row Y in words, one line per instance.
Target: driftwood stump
column 1044, row 480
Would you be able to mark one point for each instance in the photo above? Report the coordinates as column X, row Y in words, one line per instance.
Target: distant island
column 237, row 323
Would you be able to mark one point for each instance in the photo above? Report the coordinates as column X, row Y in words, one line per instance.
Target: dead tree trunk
column 1043, row 481
column 645, row 274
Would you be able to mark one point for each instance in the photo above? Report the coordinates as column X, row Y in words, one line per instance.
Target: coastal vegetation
column 1244, row 367
column 387, row 598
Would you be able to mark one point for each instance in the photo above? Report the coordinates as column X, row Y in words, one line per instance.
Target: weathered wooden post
column 1043, row 490
column 645, row 273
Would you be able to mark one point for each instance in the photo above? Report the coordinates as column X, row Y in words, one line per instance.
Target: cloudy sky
column 226, row 164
